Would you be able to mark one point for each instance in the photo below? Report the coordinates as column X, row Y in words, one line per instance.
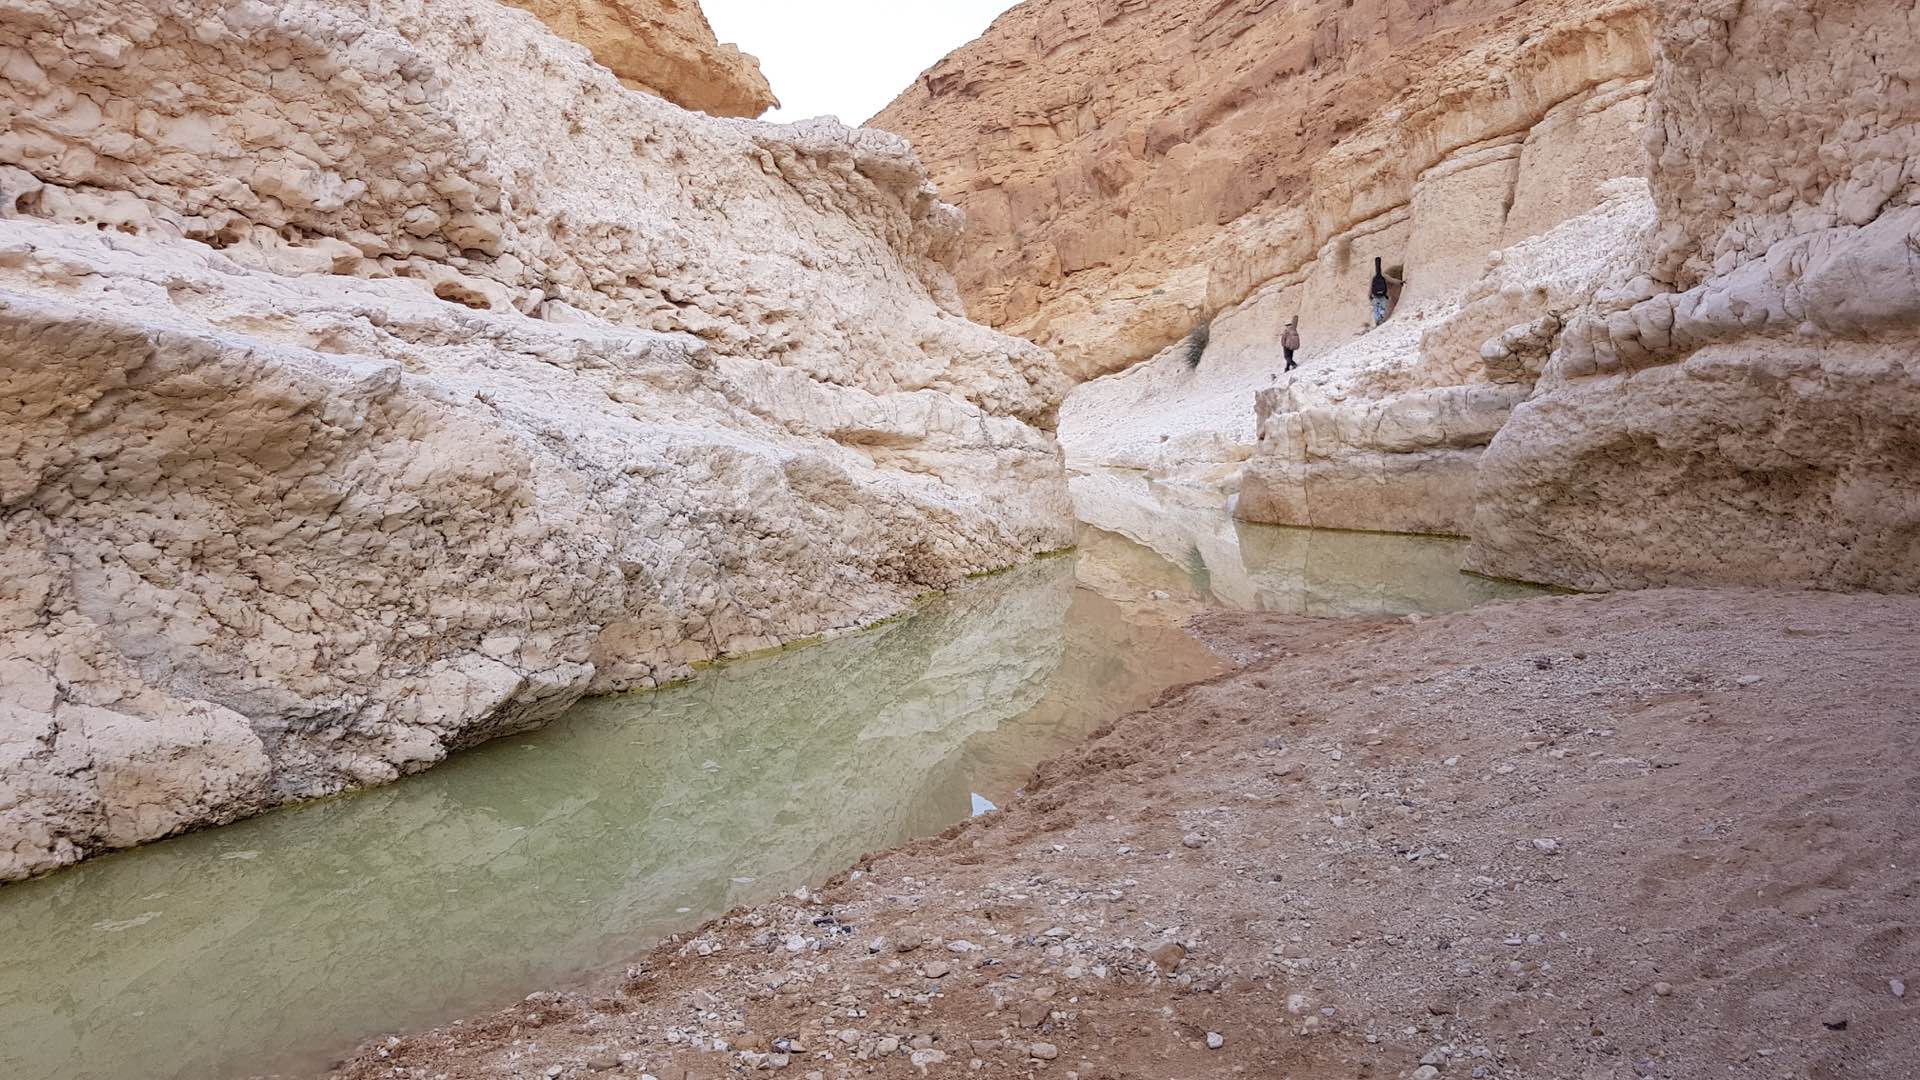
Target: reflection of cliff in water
column 1208, row 556
column 272, row 942
column 1109, row 647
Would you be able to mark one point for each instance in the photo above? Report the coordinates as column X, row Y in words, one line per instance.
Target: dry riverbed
column 1669, row 834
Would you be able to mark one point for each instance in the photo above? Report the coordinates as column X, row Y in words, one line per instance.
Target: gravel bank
column 1668, row 834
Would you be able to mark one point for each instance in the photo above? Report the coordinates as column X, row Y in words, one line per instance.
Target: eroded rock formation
column 665, row 48
column 1492, row 185
column 1387, row 432
column 1747, row 409
column 376, row 382
column 1731, row 391
column 1246, row 141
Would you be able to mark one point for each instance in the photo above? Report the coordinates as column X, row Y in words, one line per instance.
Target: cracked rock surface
column 377, row 381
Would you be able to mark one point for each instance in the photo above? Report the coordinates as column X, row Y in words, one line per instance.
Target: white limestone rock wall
column 1383, row 431
column 377, row 381
column 1240, row 422
column 1395, row 444
column 1747, row 410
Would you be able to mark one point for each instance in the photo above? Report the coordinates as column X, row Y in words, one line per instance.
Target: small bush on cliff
column 1197, row 342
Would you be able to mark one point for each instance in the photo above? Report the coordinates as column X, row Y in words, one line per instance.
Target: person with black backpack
column 1382, row 288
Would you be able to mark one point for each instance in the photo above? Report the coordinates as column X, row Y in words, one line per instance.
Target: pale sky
column 846, row 58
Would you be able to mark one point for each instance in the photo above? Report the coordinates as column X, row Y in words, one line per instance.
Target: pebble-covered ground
column 1669, row 834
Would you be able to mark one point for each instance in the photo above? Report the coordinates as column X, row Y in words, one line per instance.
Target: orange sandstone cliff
column 1128, row 167
column 664, row 47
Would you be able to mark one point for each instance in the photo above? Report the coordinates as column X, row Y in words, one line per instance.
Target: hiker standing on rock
column 1290, row 341
column 1382, row 288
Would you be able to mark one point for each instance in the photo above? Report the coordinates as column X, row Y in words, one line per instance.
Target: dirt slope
column 1667, row 834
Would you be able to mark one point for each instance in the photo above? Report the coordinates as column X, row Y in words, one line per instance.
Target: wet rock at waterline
column 399, row 377
column 1165, row 544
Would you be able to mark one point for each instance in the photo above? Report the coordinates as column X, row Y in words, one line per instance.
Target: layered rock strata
column 1249, row 143
column 665, row 48
column 1378, row 429
column 376, row 382
column 1748, row 408
column 1388, row 434
column 1731, row 396
column 1249, row 171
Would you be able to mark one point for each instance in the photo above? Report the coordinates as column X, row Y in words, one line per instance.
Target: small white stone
column 1215, row 1040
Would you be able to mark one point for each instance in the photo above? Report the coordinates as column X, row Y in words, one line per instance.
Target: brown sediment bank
column 1661, row 834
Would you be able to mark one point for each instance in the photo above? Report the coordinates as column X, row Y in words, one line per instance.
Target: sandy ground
column 1670, row 834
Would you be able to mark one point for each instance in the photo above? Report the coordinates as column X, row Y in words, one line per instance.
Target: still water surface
column 273, row 945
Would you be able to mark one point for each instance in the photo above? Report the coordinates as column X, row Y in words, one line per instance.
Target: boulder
column 1747, row 409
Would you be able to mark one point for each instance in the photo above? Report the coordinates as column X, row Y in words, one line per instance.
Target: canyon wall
column 1500, row 181
column 1387, row 433
column 376, row 382
column 1747, row 409
column 662, row 47
column 1613, row 368
column 1239, row 140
